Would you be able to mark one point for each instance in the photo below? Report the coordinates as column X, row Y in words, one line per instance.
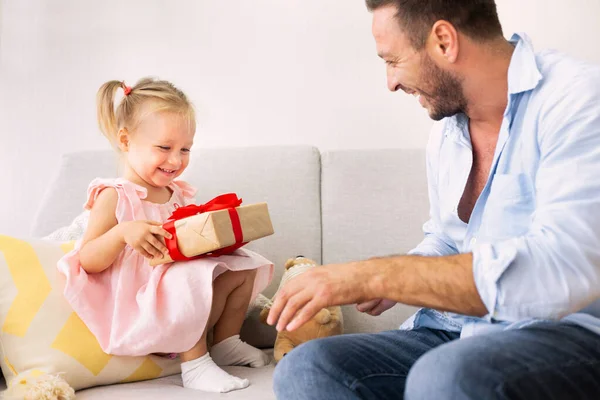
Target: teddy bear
column 327, row 322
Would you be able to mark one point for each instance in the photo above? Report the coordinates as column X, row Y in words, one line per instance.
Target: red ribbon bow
column 227, row 201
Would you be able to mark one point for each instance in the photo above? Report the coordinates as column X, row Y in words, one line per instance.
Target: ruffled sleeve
column 129, row 197
column 185, row 191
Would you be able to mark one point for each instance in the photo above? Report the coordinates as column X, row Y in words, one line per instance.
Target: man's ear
column 123, row 140
column 443, row 42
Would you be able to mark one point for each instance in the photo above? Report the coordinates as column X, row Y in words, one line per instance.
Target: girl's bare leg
column 228, row 349
column 199, row 371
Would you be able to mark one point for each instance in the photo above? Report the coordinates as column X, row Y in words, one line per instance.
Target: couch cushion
column 39, row 330
column 374, row 203
column 287, row 178
column 261, row 388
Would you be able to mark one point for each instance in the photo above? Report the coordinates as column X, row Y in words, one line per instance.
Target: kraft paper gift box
column 204, row 230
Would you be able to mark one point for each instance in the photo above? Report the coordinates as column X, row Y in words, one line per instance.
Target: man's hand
column 326, row 286
column 442, row 283
column 376, row 307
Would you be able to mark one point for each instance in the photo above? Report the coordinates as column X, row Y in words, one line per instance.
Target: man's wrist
column 380, row 274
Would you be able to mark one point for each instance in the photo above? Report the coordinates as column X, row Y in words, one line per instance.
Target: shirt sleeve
column 435, row 243
column 554, row 269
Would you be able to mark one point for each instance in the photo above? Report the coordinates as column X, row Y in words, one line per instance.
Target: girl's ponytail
column 105, row 104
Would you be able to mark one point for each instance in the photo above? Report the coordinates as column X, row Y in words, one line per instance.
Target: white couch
column 333, row 206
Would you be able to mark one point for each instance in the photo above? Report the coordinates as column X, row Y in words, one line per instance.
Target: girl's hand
column 143, row 236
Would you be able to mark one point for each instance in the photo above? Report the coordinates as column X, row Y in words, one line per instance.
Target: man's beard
column 444, row 91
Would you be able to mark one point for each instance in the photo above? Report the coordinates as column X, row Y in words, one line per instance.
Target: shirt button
column 473, row 242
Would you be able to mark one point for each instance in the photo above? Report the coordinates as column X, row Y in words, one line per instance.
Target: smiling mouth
column 168, row 171
column 411, row 92
column 415, row 94
column 419, row 96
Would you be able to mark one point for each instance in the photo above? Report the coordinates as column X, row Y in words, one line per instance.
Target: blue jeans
column 549, row 360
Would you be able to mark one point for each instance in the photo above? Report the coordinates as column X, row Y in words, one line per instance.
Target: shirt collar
column 523, row 76
column 456, row 126
column 523, row 72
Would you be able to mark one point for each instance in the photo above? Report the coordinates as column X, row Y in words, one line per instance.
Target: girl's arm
column 103, row 240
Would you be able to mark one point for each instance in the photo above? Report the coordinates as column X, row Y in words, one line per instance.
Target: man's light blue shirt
column 535, row 229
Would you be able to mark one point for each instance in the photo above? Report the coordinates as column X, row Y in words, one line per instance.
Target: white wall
column 260, row 72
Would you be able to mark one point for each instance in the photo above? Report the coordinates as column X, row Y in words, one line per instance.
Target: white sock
column 203, row 374
column 232, row 351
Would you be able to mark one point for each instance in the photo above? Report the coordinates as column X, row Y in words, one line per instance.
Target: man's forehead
column 385, row 21
column 387, row 32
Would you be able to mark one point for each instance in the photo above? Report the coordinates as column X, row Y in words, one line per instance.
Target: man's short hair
column 477, row 19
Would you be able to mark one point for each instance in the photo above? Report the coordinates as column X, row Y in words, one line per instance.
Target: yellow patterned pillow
column 40, row 332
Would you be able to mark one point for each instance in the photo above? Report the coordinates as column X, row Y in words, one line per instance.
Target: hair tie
column 126, row 89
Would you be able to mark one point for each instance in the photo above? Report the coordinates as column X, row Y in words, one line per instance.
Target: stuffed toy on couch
column 327, row 322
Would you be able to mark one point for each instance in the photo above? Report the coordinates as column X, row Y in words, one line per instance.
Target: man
column 509, row 270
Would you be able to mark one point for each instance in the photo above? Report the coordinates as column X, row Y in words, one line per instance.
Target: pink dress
column 134, row 309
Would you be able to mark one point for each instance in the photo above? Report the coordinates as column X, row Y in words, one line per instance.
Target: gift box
column 216, row 228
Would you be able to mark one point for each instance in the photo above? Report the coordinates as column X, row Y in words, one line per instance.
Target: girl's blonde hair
column 148, row 95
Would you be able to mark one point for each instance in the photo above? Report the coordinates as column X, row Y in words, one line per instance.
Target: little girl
column 132, row 308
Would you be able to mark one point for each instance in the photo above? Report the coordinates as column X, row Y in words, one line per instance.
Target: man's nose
column 392, row 81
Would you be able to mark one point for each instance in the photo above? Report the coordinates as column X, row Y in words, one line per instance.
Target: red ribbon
column 226, row 201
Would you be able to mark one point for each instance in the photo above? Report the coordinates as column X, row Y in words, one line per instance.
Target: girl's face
column 159, row 149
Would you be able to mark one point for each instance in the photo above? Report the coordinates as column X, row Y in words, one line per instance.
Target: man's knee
column 298, row 368
column 451, row 371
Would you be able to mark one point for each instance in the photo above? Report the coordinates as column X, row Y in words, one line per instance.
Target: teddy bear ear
column 309, row 261
column 289, row 263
